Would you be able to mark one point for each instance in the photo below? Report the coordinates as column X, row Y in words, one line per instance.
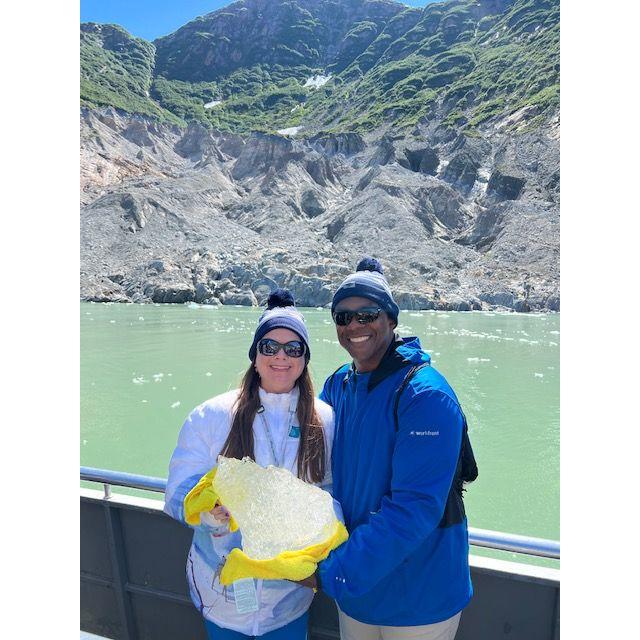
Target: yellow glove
column 288, row 565
column 203, row 498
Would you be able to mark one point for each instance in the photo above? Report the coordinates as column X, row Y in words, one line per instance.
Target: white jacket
column 200, row 442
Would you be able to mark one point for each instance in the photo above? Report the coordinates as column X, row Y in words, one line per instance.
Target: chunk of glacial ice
column 274, row 509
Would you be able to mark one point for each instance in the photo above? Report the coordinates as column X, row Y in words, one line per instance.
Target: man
column 397, row 474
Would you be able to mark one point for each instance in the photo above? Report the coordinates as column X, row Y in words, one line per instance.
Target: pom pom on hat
column 369, row 282
column 369, row 264
column 280, row 298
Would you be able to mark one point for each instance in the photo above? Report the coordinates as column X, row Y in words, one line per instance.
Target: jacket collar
column 391, row 362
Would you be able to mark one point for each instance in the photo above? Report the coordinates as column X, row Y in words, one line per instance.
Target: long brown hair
column 311, row 449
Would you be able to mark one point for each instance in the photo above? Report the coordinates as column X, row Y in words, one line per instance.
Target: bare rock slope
column 460, row 222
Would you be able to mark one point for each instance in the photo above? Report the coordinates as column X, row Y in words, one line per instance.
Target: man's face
column 366, row 343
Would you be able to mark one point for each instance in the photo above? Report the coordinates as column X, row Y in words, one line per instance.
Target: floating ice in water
column 213, row 103
column 275, row 511
column 553, row 344
column 539, row 375
column 112, row 321
column 84, row 442
column 317, row 81
column 157, row 377
column 140, row 318
column 209, row 374
column 145, row 401
column 175, row 404
column 139, row 380
column 478, row 360
column 555, row 333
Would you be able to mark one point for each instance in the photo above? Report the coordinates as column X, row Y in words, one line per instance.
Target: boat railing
column 477, row 537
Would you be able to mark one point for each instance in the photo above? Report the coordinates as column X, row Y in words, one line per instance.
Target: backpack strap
column 396, row 401
column 469, row 467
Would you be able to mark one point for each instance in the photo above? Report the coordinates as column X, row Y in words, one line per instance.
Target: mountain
column 274, row 142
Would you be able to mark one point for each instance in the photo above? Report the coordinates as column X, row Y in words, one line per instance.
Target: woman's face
column 279, row 373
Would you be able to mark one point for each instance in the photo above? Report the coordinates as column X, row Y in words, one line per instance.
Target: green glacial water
column 144, row 367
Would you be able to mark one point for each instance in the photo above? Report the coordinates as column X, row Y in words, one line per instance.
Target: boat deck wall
column 133, row 585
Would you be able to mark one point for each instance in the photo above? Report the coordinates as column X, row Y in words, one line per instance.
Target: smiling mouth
column 358, row 339
column 276, row 367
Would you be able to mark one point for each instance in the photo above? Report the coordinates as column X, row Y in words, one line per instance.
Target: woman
column 274, row 419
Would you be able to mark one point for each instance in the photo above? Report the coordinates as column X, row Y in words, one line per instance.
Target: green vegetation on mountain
column 244, row 67
column 116, row 70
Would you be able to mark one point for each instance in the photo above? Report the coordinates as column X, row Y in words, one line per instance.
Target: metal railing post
column 119, row 568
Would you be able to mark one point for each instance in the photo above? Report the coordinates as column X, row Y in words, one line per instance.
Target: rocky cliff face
column 191, row 214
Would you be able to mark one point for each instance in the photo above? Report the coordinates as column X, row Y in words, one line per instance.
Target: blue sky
column 151, row 19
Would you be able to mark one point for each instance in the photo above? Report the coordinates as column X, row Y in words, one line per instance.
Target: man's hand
column 310, row 582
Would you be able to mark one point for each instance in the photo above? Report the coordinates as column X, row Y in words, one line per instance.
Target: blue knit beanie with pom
column 368, row 282
column 280, row 313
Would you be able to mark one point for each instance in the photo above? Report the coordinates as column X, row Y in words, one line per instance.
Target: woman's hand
column 220, row 513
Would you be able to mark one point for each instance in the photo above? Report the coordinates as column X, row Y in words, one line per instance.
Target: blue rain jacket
column 398, row 567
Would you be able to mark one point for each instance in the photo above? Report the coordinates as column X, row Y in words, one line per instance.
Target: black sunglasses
column 269, row 347
column 365, row 315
